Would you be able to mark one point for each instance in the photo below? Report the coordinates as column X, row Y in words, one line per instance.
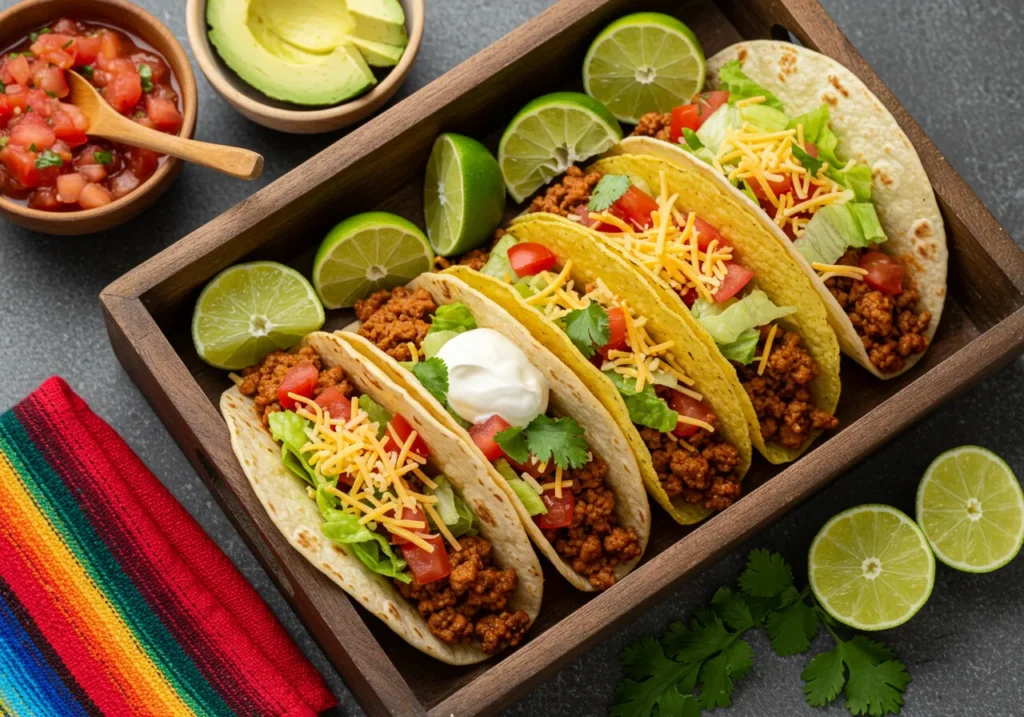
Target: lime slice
column 548, row 135
column 248, row 310
column 645, row 62
column 871, row 568
column 366, row 253
column 463, row 194
column 971, row 508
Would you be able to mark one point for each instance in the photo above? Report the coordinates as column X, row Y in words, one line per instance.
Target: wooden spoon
column 107, row 123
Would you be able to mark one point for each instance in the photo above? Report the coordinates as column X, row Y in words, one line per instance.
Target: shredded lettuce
column 452, row 509
column 727, row 321
column 742, row 349
column 497, row 264
column 289, row 429
column 527, row 495
column 834, row 228
column 740, row 87
column 691, row 143
column 816, row 130
column 764, row 117
column 452, row 317
column 645, row 408
column 434, row 341
column 712, row 133
column 372, row 548
column 857, row 179
column 376, row 413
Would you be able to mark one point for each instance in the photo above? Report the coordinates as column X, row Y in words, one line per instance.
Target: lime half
column 645, row 62
column 548, row 135
column 248, row 310
column 463, row 194
column 366, row 253
column 871, row 568
column 971, row 508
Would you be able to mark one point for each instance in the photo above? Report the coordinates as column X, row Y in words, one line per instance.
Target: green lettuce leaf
column 732, row 79
column 372, row 548
column 645, row 408
column 497, row 264
column 452, row 317
column 742, row 349
column 764, row 117
column 433, row 342
column 727, row 321
column 857, row 179
column 712, row 133
column 376, row 413
column 289, row 429
column 834, row 228
column 817, row 131
column 453, row 509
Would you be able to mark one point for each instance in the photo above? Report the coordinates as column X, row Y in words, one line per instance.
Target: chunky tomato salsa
column 46, row 159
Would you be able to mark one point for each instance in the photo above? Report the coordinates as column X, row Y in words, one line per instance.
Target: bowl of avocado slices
column 305, row 66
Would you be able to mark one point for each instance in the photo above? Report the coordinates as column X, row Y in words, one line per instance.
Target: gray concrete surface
column 958, row 67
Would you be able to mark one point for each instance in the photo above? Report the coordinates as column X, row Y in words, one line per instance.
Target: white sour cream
column 489, row 375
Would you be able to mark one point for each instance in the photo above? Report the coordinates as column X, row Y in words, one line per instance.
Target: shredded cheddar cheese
column 767, row 349
column 844, row 271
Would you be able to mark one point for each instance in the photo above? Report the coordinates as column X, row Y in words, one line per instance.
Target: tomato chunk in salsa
column 46, row 159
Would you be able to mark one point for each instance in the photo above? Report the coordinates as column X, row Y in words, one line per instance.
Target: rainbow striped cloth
column 113, row 601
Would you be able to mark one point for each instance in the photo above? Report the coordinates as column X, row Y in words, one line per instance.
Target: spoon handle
column 237, row 162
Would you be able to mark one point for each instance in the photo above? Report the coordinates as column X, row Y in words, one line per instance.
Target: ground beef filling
column 472, row 602
column 595, row 543
column 261, row 382
column 655, row 124
column 781, row 395
column 394, row 319
column 568, row 193
column 890, row 326
column 700, row 470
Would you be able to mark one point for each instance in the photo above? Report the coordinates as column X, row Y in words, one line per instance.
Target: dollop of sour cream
column 489, row 375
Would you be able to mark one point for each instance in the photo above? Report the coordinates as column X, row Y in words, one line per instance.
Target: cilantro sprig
column 695, row 665
column 433, row 374
column 546, row 439
column 587, row 328
column 608, row 191
column 146, row 76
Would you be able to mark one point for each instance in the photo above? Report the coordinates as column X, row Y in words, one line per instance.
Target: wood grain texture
column 380, row 166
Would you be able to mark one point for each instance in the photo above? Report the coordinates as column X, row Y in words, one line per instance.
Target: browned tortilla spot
column 485, row 515
column 882, row 176
column 923, row 230
column 834, row 81
column 338, row 549
column 307, row 541
column 742, row 55
column 831, row 100
column 393, row 610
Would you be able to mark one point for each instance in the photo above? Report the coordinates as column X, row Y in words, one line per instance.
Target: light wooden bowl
column 18, row 21
column 291, row 118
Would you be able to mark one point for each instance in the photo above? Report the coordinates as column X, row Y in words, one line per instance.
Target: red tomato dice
column 483, row 436
column 529, row 258
column 32, row 130
column 44, row 198
column 707, row 234
column 734, row 281
column 560, row 510
column 17, row 71
column 885, row 274
column 166, row 118
column 95, row 195
column 302, row 380
column 691, row 408
column 683, row 117
column 783, row 186
column 143, row 162
column 110, row 45
column 332, row 400
column 711, row 101
column 403, row 429
column 635, row 207
column 50, row 79
column 56, row 49
column 21, row 164
column 616, row 332
column 70, row 186
column 428, row 567
column 6, row 110
column 67, row 125
column 124, row 91
column 88, row 49
column 411, row 514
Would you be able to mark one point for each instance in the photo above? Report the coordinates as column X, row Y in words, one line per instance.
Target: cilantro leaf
column 587, row 328
column 655, row 684
column 718, row 673
column 645, row 408
column 103, row 157
column 823, row 678
column 732, row 609
column 875, row 687
column 87, row 70
column 767, row 574
column 433, row 374
column 808, row 162
column 608, row 191
column 452, row 317
column 558, row 439
column 146, row 75
column 792, row 627
column 49, row 159
column 512, row 441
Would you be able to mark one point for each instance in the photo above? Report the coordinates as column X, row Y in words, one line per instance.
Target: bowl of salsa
column 54, row 178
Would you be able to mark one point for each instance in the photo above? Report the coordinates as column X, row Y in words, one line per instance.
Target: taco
column 674, row 403
column 386, row 502
column 830, row 174
column 548, row 442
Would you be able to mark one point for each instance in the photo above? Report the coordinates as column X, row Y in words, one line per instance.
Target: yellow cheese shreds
column 441, row 527
column 550, row 288
column 558, row 481
column 380, row 511
column 767, row 349
column 413, row 538
column 751, row 101
column 532, row 482
column 413, row 352
column 827, row 271
column 696, row 422
column 556, row 486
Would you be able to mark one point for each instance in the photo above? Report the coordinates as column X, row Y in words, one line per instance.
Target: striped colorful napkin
column 113, row 601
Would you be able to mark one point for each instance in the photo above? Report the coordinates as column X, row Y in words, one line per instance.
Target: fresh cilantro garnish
column 32, row 147
column 49, row 159
column 608, row 191
column 808, row 162
column 67, row 44
column 587, row 328
column 546, row 439
column 33, row 36
column 433, row 374
column 645, row 408
column 2, row 86
column 695, row 666
column 452, row 317
column 4, row 141
column 86, row 70
column 146, row 74
column 51, row 94
column 103, row 157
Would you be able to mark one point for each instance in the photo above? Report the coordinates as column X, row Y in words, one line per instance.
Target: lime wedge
column 971, row 508
column 645, row 62
column 548, row 135
column 871, row 568
column 463, row 194
column 248, row 310
column 366, row 253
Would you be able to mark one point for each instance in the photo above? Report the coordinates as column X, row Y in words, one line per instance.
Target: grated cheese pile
column 380, row 488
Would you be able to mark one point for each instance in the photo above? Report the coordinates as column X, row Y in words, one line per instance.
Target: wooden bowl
column 18, row 21
column 291, row 118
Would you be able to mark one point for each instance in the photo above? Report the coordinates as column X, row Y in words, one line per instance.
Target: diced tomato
column 302, row 380
column 529, row 258
column 783, row 186
column 143, row 162
column 17, row 97
column 691, row 408
column 560, row 510
column 16, row 71
column 44, row 198
column 93, row 172
column 95, row 195
column 41, row 103
column 530, row 466
column 65, row 26
column 166, row 118
column 31, row 130
column 428, row 567
column 403, row 429
column 411, row 514
column 124, row 184
column 616, row 332
column 88, row 49
column 70, row 186
column 6, row 110
column 582, row 215
column 21, row 164
column 124, row 91
column 61, row 149
column 483, row 436
column 734, row 281
column 156, row 65
column 70, row 124
column 110, row 45
column 711, row 101
column 50, row 79
column 707, row 234
column 635, row 207
column 885, row 274
column 684, row 117
column 332, row 400
column 59, row 50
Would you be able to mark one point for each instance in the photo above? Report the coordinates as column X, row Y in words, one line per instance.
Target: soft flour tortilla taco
column 387, row 503
column 549, row 443
column 835, row 178
column 674, row 403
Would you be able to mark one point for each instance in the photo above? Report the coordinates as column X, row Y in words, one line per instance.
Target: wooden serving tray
column 381, row 165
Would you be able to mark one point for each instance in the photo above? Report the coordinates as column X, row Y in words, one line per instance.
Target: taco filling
column 490, row 387
column 371, row 477
column 790, row 167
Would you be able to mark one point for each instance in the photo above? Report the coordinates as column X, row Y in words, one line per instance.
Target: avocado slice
column 379, row 54
column 259, row 51
column 378, row 21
